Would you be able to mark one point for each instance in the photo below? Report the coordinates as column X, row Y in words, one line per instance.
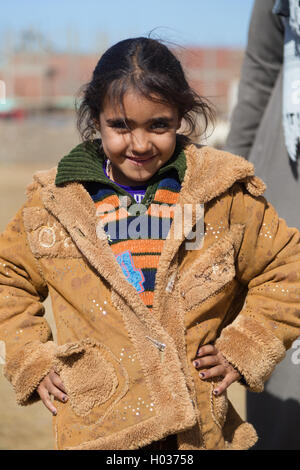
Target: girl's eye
column 123, row 126
column 120, row 126
column 159, row 125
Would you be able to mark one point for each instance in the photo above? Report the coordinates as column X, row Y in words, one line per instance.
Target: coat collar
column 209, row 173
column 205, row 173
column 85, row 163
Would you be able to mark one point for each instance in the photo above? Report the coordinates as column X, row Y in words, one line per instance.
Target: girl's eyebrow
column 130, row 121
column 161, row 118
column 113, row 121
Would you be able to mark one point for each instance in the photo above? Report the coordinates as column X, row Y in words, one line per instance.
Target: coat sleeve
column 261, row 67
column 25, row 332
column 268, row 264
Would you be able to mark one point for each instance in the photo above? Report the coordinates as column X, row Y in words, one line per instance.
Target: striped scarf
column 137, row 237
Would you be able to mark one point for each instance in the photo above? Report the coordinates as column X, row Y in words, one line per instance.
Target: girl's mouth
column 140, row 161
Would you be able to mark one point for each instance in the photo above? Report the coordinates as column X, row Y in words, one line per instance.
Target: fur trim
column 162, row 372
column 165, row 301
column 28, row 368
column 255, row 185
column 244, row 438
column 239, row 435
column 211, row 172
column 252, row 349
column 219, row 405
column 31, row 189
column 45, row 177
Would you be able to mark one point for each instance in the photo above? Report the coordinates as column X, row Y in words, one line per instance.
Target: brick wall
column 41, row 77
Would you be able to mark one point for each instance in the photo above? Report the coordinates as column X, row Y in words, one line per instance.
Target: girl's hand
column 209, row 356
column 53, row 385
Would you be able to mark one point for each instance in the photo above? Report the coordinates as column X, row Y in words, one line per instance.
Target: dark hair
column 152, row 69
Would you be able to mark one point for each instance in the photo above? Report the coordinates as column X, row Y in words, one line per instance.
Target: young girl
column 151, row 330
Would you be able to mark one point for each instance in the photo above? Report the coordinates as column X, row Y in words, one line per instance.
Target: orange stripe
column 157, row 210
column 112, row 201
column 138, row 246
column 166, row 196
column 147, row 297
column 114, row 216
column 146, row 261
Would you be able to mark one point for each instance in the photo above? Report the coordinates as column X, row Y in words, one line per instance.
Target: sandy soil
column 24, row 149
column 27, row 147
column 21, row 428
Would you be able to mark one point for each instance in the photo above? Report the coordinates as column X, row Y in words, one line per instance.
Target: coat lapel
column 209, row 173
column 73, row 207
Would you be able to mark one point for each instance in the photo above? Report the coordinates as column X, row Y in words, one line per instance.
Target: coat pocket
column 212, row 271
column 92, row 376
column 46, row 235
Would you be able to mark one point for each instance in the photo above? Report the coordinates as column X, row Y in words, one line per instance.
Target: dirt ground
column 25, row 148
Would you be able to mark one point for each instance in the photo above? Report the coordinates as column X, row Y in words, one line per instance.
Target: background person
column 265, row 129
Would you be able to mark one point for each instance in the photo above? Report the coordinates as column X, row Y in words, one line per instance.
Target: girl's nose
column 140, row 142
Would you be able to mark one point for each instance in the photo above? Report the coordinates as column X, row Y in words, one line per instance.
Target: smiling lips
column 140, row 161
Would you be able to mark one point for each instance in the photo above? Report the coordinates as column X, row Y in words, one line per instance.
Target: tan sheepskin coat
column 240, row 291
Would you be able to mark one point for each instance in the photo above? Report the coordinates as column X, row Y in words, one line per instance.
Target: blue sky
column 87, row 24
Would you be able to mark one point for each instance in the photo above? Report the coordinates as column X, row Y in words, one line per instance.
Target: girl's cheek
column 115, row 145
column 166, row 143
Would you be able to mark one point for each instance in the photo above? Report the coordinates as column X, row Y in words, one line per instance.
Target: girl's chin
column 130, row 174
column 140, row 178
column 139, row 175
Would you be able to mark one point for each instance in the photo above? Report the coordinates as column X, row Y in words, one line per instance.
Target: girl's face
column 140, row 144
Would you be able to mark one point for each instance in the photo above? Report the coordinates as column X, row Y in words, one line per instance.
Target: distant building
column 39, row 80
column 213, row 73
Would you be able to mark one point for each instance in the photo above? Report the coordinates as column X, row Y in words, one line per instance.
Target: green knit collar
column 85, row 163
